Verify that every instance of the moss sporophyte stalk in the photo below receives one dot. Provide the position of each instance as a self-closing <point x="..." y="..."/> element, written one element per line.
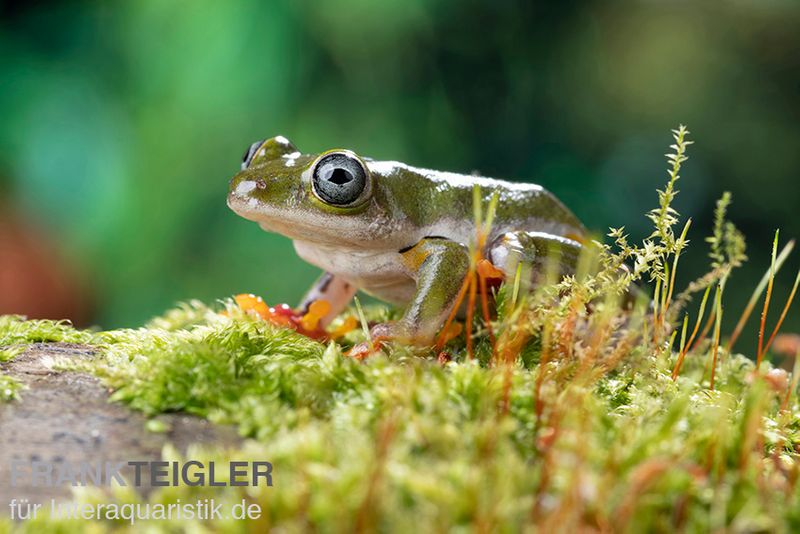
<point x="585" y="405"/>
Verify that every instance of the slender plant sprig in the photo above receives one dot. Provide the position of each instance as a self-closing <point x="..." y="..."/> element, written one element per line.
<point x="727" y="242"/>
<point x="793" y="385"/>
<point x="662" y="243"/>
<point x="484" y="231"/>
<point x="512" y="332"/>
<point x="783" y="313"/>
<point x="762" y="284"/>
<point x="727" y="252"/>
<point x="682" y="346"/>
<point x="686" y="346"/>
<point x="517" y="283"/>
<point x="665" y="217"/>
<point x="767" y="298"/>
<point x="651" y="258"/>
<point x="717" y="330"/>
<point x="716" y="240"/>
<point x="364" y="324"/>
<point x="680" y="244"/>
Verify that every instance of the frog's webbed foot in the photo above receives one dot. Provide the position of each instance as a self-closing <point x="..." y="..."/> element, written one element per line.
<point x="379" y="335"/>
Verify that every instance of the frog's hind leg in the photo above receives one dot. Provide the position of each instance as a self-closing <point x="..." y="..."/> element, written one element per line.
<point x="538" y="256"/>
<point x="331" y="288"/>
<point x="545" y="258"/>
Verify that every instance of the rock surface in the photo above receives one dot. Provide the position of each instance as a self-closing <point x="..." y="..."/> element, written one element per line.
<point x="65" y="417"/>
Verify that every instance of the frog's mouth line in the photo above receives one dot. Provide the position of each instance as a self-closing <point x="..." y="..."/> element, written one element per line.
<point x="269" y="219"/>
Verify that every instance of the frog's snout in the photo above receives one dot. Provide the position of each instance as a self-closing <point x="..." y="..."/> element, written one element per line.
<point x="244" y="189"/>
<point x="240" y="191"/>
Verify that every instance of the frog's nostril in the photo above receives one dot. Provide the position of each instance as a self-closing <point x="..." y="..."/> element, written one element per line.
<point x="261" y="184"/>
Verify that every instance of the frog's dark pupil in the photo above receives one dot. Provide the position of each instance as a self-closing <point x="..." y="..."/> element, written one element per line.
<point x="340" y="176"/>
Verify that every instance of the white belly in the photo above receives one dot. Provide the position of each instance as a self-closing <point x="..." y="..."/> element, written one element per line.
<point x="380" y="273"/>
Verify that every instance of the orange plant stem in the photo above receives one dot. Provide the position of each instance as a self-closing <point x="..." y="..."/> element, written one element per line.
<point x="473" y="290"/>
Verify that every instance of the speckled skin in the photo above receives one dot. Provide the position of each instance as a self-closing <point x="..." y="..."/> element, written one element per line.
<point x="406" y="240"/>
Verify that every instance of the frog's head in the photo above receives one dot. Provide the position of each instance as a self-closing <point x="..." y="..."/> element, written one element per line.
<point x="325" y="198"/>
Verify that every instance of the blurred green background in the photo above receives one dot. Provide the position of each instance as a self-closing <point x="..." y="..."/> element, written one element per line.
<point x="123" y="121"/>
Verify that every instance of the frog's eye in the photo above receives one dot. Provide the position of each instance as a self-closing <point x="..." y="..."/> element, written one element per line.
<point x="250" y="153"/>
<point x="339" y="179"/>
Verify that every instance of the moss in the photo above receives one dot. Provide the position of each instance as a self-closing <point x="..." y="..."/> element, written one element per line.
<point x="633" y="450"/>
<point x="16" y="332"/>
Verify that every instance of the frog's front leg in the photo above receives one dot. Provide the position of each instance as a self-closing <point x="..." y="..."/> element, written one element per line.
<point x="331" y="288"/>
<point x="438" y="266"/>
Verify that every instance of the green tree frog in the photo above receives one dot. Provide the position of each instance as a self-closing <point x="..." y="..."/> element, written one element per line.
<point x="397" y="232"/>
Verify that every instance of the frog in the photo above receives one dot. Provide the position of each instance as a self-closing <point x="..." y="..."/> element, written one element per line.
<point x="400" y="233"/>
